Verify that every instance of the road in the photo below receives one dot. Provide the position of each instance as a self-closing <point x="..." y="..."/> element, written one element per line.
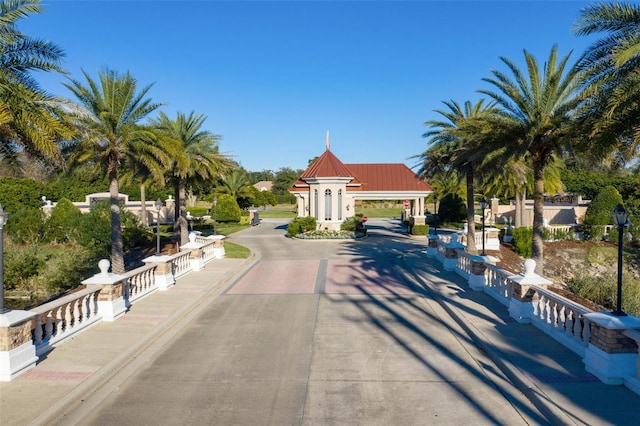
<point x="317" y="333"/>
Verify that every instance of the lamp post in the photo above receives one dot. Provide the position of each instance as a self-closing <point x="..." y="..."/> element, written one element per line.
<point x="484" y="205"/>
<point x="435" y="215"/>
<point x="158" y="205"/>
<point x="3" y="220"/>
<point x="621" y="217"/>
<point x="215" y="215"/>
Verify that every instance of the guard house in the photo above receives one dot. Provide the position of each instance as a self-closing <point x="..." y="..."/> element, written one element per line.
<point x="328" y="189"/>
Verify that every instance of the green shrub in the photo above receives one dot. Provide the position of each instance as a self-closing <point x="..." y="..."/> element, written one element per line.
<point x="20" y="193"/>
<point x="599" y="211"/>
<point x="353" y="223"/>
<point x="420" y="230"/>
<point x="227" y="209"/>
<point x="522" y="240"/>
<point x="25" y="225"/>
<point x="198" y="211"/>
<point x="20" y="264"/>
<point x="301" y="224"/>
<point x="62" y="225"/>
<point x="602" y="290"/>
<point x="452" y="209"/>
<point x="94" y="230"/>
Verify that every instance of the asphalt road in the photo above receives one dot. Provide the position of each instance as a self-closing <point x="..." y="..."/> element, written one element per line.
<point x="317" y="333"/>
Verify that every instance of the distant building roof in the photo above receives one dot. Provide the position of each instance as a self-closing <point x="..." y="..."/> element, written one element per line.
<point x="263" y="185"/>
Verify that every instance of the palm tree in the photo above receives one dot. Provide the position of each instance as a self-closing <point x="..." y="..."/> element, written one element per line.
<point x="235" y="184"/>
<point x="449" y="149"/>
<point x="108" y="117"/>
<point x="536" y="121"/>
<point x="611" y="113"/>
<point x="199" y="157"/>
<point x="31" y="121"/>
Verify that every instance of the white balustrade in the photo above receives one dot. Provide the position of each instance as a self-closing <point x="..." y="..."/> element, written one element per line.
<point x="463" y="267"/>
<point x="181" y="264"/>
<point x="140" y="283"/>
<point x="62" y="318"/>
<point x="562" y="319"/>
<point x="498" y="284"/>
<point x="208" y="249"/>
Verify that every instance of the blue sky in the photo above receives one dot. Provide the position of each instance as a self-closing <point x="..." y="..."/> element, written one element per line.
<point x="273" y="77"/>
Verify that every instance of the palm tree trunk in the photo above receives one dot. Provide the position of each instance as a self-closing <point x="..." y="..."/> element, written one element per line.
<point x="471" y="214"/>
<point x="181" y="219"/>
<point x="521" y="197"/>
<point x="117" y="245"/>
<point x="537" y="244"/>
<point x="143" y="206"/>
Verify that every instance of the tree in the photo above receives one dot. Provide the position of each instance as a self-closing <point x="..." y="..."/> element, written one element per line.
<point x="235" y="184"/>
<point x="450" y="147"/>
<point x="31" y="121"/>
<point x="611" y="113"/>
<point x="199" y="158"/>
<point x="108" y="118"/>
<point x="536" y="120"/>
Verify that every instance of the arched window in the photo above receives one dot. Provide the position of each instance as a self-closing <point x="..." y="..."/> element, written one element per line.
<point x="327" y="204"/>
<point x="339" y="204"/>
<point x="315" y="203"/>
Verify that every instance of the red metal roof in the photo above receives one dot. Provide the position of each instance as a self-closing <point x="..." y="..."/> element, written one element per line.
<point x="366" y="177"/>
<point x="388" y="177"/>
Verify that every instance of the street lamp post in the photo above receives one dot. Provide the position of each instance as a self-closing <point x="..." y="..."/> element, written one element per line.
<point x="3" y="220"/>
<point x="158" y="205"/>
<point x="484" y="205"/>
<point x="215" y="215"/>
<point x="621" y="217"/>
<point x="435" y="216"/>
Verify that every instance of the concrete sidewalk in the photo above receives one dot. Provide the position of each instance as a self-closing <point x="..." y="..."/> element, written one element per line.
<point x="550" y="375"/>
<point x="79" y="367"/>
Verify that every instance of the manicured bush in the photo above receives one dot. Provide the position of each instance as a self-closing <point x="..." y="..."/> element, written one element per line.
<point x="199" y="211"/>
<point x="522" y="240"/>
<point x="452" y="209"/>
<point x="420" y="229"/>
<point x="301" y="224"/>
<point x="601" y="207"/>
<point x="353" y="223"/>
<point x="227" y="209"/>
<point x="20" y="193"/>
<point x="20" y="264"/>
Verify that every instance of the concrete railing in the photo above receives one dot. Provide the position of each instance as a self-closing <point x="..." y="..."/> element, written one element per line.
<point x="56" y="321"/>
<point x="607" y="344"/>
<point x="105" y="298"/>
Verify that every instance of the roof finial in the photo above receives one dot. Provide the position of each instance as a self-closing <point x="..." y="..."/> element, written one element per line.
<point x="328" y="143"/>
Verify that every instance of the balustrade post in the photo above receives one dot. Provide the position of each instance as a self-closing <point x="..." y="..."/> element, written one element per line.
<point x="611" y="355"/>
<point x="111" y="301"/>
<point x="451" y="254"/>
<point x="196" y="260"/>
<point x="477" y="278"/>
<point x="218" y="246"/>
<point x="163" y="274"/>
<point x="17" y="350"/>
<point x="523" y="295"/>
<point x="432" y="245"/>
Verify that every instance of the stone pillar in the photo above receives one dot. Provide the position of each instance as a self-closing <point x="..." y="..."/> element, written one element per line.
<point x="111" y="303"/>
<point x="163" y="274"/>
<point x="477" y="279"/>
<point x="495" y="202"/>
<point x="492" y="238"/>
<point x="169" y="210"/>
<point x="218" y="246"/>
<point x="432" y="245"/>
<point x="451" y="255"/>
<point x="196" y="259"/>
<point x="611" y="356"/>
<point x="523" y="296"/>
<point x="17" y="351"/>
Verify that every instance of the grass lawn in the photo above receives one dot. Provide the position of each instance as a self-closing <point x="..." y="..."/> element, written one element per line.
<point x="381" y="213"/>
<point x="278" y="211"/>
<point x="236" y="251"/>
